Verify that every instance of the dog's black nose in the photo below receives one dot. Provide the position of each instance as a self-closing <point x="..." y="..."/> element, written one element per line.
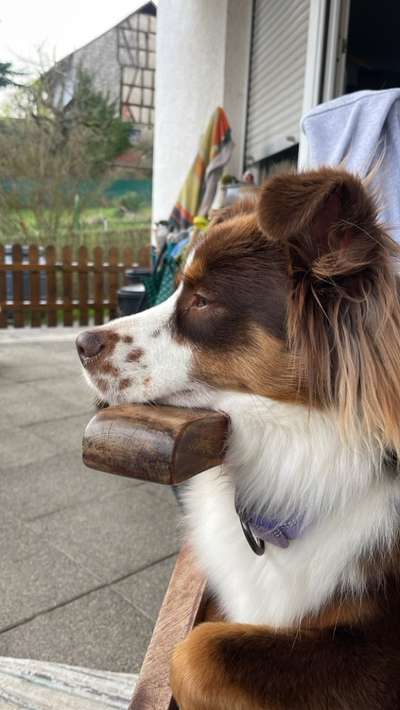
<point x="90" y="343"/>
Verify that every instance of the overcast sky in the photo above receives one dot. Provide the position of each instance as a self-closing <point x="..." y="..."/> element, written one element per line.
<point x="58" y="27"/>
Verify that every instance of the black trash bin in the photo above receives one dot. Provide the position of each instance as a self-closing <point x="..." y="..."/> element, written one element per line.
<point x="132" y="299"/>
<point x="135" y="275"/>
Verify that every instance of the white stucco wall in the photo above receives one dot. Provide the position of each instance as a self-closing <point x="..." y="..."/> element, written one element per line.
<point x="236" y="74"/>
<point x="203" y="49"/>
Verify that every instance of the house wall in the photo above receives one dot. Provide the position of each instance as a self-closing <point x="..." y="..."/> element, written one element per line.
<point x="236" y="73"/>
<point x="203" y="52"/>
<point x="99" y="59"/>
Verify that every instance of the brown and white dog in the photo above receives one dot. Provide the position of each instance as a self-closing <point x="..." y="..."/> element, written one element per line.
<point x="288" y="319"/>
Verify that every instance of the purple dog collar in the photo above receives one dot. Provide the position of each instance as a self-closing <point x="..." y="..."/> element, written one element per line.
<point x="259" y="530"/>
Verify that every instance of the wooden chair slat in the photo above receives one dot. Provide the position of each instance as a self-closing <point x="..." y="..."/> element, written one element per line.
<point x="113" y="274"/>
<point x="127" y="257"/>
<point x="161" y="444"/>
<point x="34" y="279"/>
<point x="18" y="286"/>
<point x="83" y="283"/>
<point x="3" y="289"/>
<point x="67" y="286"/>
<point x="98" y="286"/>
<point x="51" y="285"/>
<point x="144" y="258"/>
<point x="183" y="606"/>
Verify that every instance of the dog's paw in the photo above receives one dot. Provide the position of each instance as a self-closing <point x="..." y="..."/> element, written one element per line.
<point x="195" y="675"/>
<point x="200" y="677"/>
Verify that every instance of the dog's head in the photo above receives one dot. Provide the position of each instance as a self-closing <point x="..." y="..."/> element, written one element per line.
<point x="291" y="295"/>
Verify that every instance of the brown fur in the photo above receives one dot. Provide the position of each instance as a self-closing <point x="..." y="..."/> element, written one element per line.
<point x="343" y="318"/>
<point x="265" y="367"/>
<point x="303" y="306"/>
<point x="221" y="666"/>
<point x="101" y="383"/>
<point x="312" y="267"/>
<point x="346" y="657"/>
<point x="135" y="354"/>
<point x="108" y="368"/>
<point x="124" y="383"/>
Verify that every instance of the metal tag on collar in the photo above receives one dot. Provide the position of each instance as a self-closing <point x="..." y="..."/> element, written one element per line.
<point x="256" y="544"/>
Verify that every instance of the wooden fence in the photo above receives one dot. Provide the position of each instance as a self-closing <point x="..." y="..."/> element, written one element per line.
<point x="48" y="290"/>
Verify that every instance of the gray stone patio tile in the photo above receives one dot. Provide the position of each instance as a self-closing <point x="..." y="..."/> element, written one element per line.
<point x="59" y="334"/>
<point x="17" y="540"/>
<point x="100" y="630"/>
<point x="116" y="535"/>
<point x="146" y="589"/>
<point x="18" y="358"/>
<point x="35" y="371"/>
<point x="27" y="403"/>
<point x="72" y="390"/>
<point x="61" y="349"/>
<point x="61" y="353"/>
<point x="59" y="520"/>
<point x="66" y="433"/>
<point x="18" y="446"/>
<point x="32" y="584"/>
<point x="161" y="491"/>
<point x="52" y="484"/>
<point x="19" y="355"/>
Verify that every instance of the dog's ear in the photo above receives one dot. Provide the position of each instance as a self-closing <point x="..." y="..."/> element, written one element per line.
<point x="326" y="220"/>
<point x="343" y="316"/>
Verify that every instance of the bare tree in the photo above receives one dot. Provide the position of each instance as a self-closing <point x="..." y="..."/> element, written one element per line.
<point x="53" y="160"/>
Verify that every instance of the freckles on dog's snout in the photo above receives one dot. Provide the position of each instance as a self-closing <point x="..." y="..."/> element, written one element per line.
<point x="124" y="383"/>
<point x="102" y="384"/>
<point x="109" y="369"/>
<point x="134" y="355"/>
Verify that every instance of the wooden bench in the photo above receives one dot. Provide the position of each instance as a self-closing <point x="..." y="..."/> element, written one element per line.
<point x="166" y="445"/>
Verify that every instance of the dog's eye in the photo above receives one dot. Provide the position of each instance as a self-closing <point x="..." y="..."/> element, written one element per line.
<point x="199" y="301"/>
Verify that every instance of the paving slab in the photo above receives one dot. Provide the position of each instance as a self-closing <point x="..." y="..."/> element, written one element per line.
<point x="18" y="446"/>
<point x="44" y="334"/>
<point x="66" y="432"/>
<point x="27" y="403"/>
<point x="100" y="630"/>
<point x="37" y="349"/>
<point x="33" y="371"/>
<point x="39" y="582"/>
<point x="17" y="541"/>
<point x="116" y="535"/>
<point x="86" y="556"/>
<point x="146" y="589"/>
<point x="73" y="391"/>
<point x="16" y="359"/>
<point x="61" y="352"/>
<point x="55" y="483"/>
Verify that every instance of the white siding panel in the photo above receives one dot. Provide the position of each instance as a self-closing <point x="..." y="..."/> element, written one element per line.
<point x="277" y="74"/>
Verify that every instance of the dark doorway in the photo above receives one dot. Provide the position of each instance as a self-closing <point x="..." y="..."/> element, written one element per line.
<point x="373" y="51"/>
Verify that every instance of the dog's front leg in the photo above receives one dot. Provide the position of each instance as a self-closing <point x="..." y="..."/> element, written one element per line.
<point x="198" y="677"/>
<point x="222" y="666"/>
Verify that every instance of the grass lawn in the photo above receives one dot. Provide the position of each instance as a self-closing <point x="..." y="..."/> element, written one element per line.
<point x="96" y="226"/>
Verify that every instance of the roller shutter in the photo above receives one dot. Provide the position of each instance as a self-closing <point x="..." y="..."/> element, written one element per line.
<point x="277" y="76"/>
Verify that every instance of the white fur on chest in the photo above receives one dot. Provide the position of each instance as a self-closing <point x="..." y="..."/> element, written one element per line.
<point x="283" y="457"/>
